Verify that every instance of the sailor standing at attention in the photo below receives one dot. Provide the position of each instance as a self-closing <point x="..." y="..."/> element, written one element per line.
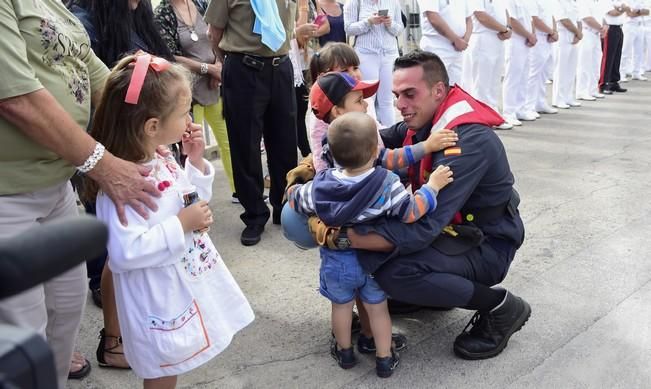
<point x="540" y="54"/>
<point x="485" y="58"/>
<point x="570" y="33"/>
<point x="587" y="77"/>
<point x="447" y="26"/>
<point x="515" y="89"/>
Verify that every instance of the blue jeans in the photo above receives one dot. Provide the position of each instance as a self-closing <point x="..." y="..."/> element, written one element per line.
<point x="342" y="278"/>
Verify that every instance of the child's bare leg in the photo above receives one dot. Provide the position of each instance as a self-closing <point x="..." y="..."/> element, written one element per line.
<point x="160" y="383"/>
<point x="381" y="327"/>
<point x="342" y="317"/>
<point x="363" y="319"/>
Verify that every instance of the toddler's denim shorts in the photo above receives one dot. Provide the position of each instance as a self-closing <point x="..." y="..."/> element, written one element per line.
<point x="342" y="278"/>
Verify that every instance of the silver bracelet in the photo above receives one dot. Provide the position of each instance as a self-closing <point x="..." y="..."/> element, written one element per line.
<point x="93" y="159"/>
<point x="203" y="69"/>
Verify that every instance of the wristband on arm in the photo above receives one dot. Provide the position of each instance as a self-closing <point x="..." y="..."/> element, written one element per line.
<point x="93" y="159"/>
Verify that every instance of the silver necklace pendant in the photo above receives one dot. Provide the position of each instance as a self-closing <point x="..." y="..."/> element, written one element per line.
<point x="194" y="36"/>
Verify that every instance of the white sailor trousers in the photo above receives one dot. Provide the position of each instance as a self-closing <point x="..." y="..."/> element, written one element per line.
<point x="516" y="75"/>
<point x="633" y="49"/>
<point x="565" y="70"/>
<point x="379" y="66"/>
<point x="540" y="54"/>
<point x="485" y="64"/>
<point x="589" y="64"/>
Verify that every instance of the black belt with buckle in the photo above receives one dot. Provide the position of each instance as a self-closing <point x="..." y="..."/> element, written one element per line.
<point x="258" y="63"/>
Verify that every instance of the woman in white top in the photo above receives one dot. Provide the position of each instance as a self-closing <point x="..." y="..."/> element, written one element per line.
<point x="376" y="25"/>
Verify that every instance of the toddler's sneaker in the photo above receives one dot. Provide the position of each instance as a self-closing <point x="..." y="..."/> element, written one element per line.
<point x="384" y="366"/>
<point x="367" y="345"/>
<point x="345" y="357"/>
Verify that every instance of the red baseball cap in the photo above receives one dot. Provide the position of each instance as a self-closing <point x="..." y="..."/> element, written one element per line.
<point x="331" y="88"/>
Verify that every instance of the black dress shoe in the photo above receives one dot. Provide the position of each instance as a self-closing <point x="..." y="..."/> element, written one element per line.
<point x="618" y="88"/>
<point x="491" y="331"/>
<point x="251" y="235"/>
<point x="606" y="91"/>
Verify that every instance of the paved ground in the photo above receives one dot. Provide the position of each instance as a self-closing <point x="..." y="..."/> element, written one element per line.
<point x="584" y="180"/>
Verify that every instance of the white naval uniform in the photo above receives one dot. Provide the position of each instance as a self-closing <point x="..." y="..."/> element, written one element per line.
<point x="484" y="62"/>
<point x="634" y="36"/>
<point x="589" y="61"/>
<point x="454" y="12"/>
<point x="565" y="71"/>
<point x="540" y="54"/>
<point x="517" y="59"/>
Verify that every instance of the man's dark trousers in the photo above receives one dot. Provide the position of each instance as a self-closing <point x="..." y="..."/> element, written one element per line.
<point x="612" y="47"/>
<point x="433" y="279"/>
<point x="259" y="101"/>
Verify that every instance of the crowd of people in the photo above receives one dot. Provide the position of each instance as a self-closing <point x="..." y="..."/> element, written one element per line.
<point x="506" y="52"/>
<point x="287" y="73"/>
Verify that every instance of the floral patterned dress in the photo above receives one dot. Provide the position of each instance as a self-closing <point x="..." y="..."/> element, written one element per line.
<point x="177" y="303"/>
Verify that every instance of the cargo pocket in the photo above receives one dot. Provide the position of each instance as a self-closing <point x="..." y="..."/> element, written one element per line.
<point x="180" y="338"/>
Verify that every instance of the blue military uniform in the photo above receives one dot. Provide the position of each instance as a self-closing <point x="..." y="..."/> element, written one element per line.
<point x="422" y="270"/>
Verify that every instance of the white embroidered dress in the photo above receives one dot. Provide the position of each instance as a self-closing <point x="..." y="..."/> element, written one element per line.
<point x="177" y="303"/>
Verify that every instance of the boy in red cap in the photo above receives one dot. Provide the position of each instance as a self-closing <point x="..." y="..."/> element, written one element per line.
<point x="337" y="93"/>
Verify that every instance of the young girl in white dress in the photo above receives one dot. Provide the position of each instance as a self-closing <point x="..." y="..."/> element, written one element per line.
<point x="178" y="304"/>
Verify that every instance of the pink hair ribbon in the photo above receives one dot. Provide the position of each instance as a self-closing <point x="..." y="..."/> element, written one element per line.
<point x="143" y="61"/>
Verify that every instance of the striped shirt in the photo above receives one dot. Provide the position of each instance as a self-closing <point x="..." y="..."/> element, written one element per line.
<point x="373" y="38"/>
<point x="391" y="199"/>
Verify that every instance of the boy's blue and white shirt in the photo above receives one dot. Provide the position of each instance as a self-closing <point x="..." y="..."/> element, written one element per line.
<point x="339" y="200"/>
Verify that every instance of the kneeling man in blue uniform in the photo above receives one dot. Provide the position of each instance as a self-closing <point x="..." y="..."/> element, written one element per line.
<point x="454" y="256"/>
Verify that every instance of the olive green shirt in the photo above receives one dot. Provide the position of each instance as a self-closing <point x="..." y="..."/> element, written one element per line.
<point x="236" y="18"/>
<point x="43" y="46"/>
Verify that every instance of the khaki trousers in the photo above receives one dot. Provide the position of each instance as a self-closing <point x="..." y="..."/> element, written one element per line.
<point x="52" y="309"/>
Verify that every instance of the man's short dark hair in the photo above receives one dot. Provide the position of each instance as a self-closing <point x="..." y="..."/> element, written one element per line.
<point x="352" y="139"/>
<point x="433" y="68"/>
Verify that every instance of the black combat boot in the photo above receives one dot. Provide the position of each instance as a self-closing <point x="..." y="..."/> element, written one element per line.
<point x="491" y="331"/>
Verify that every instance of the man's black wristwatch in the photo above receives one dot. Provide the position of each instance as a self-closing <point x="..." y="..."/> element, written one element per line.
<point x="342" y="242"/>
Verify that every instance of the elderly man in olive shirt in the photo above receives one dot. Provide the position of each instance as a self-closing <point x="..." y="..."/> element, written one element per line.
<point x="258" y="100"/>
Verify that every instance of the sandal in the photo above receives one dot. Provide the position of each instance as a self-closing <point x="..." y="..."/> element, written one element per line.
<point x="81" y="373"/>
<point x="101" y="350"/>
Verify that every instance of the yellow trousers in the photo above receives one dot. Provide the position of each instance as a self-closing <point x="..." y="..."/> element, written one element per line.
<point x="213" y="116"/>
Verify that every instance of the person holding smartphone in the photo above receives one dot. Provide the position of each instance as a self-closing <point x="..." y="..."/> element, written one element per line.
<point x="376" y="25"/>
